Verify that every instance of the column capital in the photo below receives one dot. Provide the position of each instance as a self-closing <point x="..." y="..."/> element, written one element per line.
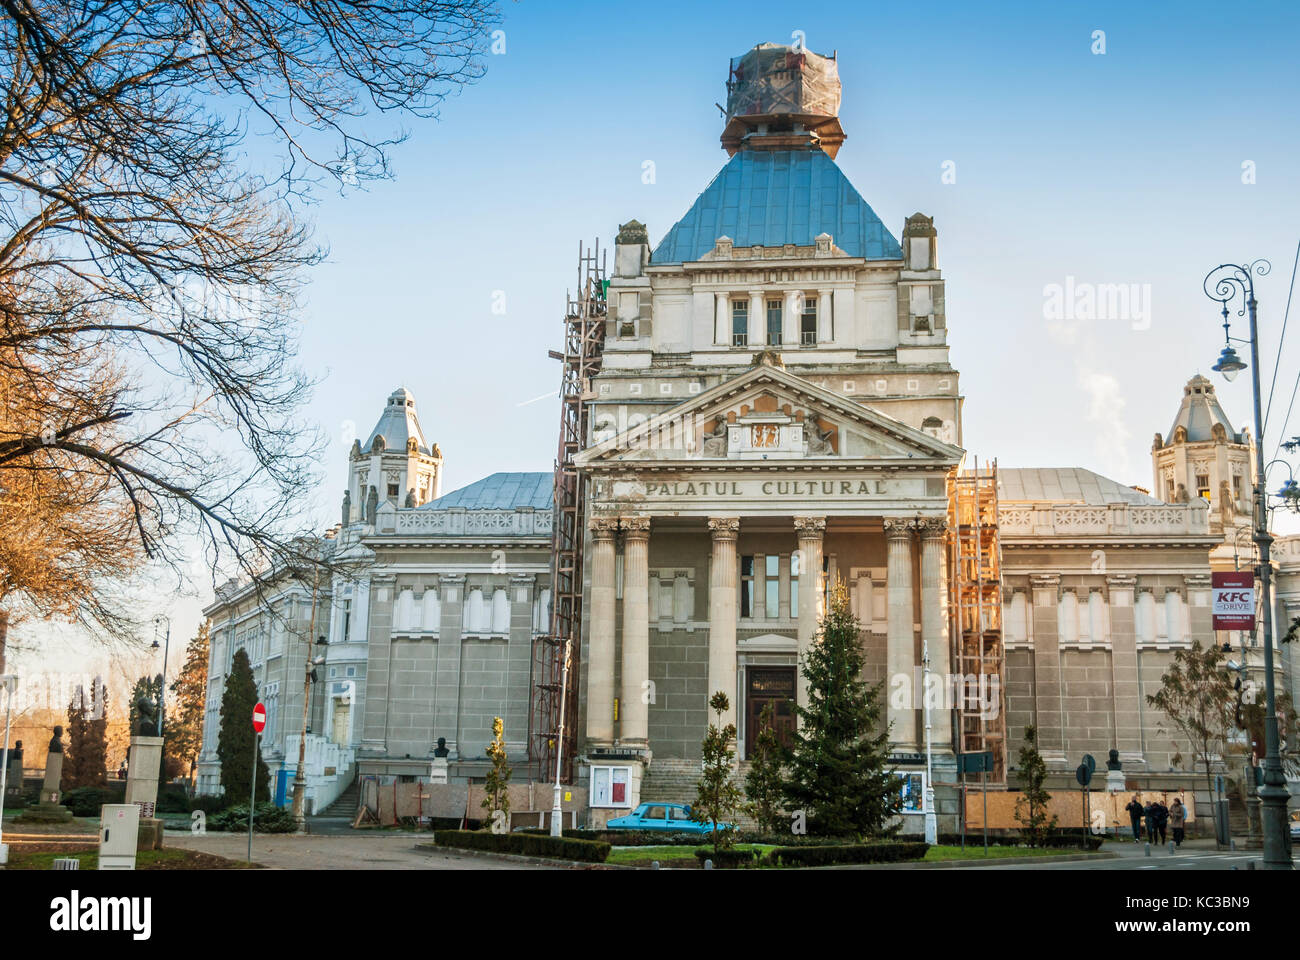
<point x="899" y="528"/>
<point x="603" y="528"/>
<point x="932" y="528"/>
<point x="635" y="528"/>
<point x="810" y="528"/>
<point x="724" y="528"/>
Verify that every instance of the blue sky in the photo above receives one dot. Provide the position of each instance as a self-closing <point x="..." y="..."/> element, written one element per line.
<point x="1124" y="167"/>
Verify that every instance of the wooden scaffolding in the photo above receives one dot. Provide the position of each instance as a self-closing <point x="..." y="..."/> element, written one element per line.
<point x="555" y="701"/>
<point x="975" y="586"/>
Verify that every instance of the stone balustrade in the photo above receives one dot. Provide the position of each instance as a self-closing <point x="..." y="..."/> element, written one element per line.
<point x="1115" y="519"/>
<point x="460" y="522"/>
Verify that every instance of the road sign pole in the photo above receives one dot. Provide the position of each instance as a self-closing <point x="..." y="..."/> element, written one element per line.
<point x="252" y="792"/>
<point x="985" y="777"/>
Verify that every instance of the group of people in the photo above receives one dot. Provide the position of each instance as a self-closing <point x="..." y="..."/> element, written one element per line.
<point x="1158" y="818"/>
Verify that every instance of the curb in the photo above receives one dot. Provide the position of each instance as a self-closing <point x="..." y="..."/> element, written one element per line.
<point x="430" y="849"/>
<point x="997" y="861"/>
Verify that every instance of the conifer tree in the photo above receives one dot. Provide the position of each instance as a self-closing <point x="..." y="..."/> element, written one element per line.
<point x="236" y="740"/>
<point x="839" y="772"/>
<point x="183" y="733"/>
<point x="95" y="750"/>
<point x="74" y="755"/>
<point x="716" y="793"/>
<point x="763" y="782"/>
<point x="497" y="783"/>
<point x="1031" y="806"/>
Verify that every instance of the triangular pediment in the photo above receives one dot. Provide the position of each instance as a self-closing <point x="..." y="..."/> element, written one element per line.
<point x="765" y="414"/>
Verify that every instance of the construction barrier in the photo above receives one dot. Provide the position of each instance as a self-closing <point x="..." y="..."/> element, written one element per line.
<point x="418" y="800"/>
<point x="1067" y="805"/>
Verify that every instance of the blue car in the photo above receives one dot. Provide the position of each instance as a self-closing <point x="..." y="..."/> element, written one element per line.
<point x="664" y="817"/>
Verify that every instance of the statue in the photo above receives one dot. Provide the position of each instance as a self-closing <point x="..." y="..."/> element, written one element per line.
<point x="372" y="505"/>
<point x="347" y="507"/>
<point x="146" y="724"/>
<point x="1112" y="760"/>
<point x="1181" y="495"/>
<point x="715" y="442"/>
<point x="442" y="750"/>
<point x="56" y="742"/>
<point x="410" y="498"/>
<point x="819" y="444"/>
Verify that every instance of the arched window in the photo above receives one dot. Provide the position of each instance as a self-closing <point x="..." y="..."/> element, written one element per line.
<point x="403" y="616"/>
<point x="1068" y="617"/>
<point x="475" y="619"/>
<point x="1146" y="616"/>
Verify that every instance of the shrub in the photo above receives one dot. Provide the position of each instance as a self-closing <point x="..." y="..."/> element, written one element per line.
<point x="86" y="801"/>
<point x="526" y="844"/>
<point x="209" y="804"/>
<point x="268" y="819"/>
<point x="627" y="838"/>
<point x="172" y="800"/>
<point x="825" y="855"/>
<point x="728" y="859"/>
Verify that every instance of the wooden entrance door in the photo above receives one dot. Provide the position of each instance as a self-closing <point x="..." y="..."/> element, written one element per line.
<point x="774" y="686"/>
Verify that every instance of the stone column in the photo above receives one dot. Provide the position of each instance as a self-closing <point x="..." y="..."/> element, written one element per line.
<point x="900" y="640"/>
<point x="790" y="322"/>
<point x="757" y="321"/>
<point x="721" y="320"/>
<point x="723" y="601"/>
<point x="1047" y="669"/>
<point x="810" y="531"/>
<point x="934" y="626"/>
<point x="600" y="646"/>
<point x="824" y="316"/>
<point x="635" y="710"/>
<point x="1125" y="683"/>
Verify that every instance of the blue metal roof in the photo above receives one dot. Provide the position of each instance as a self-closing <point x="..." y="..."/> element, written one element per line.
<point x="499" y="491"/>
<point x="774" y="198"/>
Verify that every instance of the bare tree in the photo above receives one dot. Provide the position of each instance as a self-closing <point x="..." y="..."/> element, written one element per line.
<point x="152" y="252"/>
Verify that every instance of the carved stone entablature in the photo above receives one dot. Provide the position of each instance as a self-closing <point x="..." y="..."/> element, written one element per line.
<point x="724" y="528"/>
<point x="1197" y="581"/>
<point x="1045" y="581"/>
<point x="1120" y="581"/>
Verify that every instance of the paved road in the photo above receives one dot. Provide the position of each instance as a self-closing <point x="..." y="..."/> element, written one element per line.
<point x="1194" y="855"/>
<point x="362" y="851"/>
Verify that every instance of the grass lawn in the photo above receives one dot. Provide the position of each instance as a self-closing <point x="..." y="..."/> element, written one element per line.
<point x="33" y="858"/>
<point x="77" y="826"/>
<point x="975" y="851"/>
<point x="675" y="856"/>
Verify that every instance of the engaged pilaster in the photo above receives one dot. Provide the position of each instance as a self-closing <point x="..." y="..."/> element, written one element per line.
<point x="934" y="626"/>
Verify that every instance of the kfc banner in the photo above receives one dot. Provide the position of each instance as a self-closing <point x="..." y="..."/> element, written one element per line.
<point x="1234" y="600"/>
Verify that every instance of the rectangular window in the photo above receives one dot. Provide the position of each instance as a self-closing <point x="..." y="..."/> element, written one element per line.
<point x="392" y="490"/>
<point x="747" y="586"/>
<point x="347" y="619"/>
<point x="773" y="323"/>
<point x="1203" y="485"/>
<point x="771" y="586"/>
<point x="740" y="323"/>
<point x="794" y="585"/>
<point x="808" y="322"/>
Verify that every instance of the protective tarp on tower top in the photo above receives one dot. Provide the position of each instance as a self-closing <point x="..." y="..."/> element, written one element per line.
<point x="777" y="95"/>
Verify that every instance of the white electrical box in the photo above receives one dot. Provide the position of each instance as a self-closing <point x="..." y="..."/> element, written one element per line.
<point x="119" y="831"/>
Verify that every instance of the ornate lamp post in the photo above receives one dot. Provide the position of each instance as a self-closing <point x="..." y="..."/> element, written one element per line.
<point x="1222" y="285"/>
<point x="162" y="686"/>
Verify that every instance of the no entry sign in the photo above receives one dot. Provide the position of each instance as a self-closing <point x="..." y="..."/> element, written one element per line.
<point x="259" y="717"/>
<point x="1233" y="605"/>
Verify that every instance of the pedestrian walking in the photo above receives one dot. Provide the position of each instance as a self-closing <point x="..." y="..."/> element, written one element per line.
<point x="1135" y="812"/>
<point x="1178" y="820"/>
<point x="1161" y="820"/>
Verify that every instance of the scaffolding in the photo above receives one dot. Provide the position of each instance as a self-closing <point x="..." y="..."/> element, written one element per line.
<point x="975" y="578"/>
<point x="584" y="342"/>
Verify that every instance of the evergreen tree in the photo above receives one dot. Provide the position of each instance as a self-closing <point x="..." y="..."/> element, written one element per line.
<point x="236" y="740"/>
<point x="75" y="773"/>
<point x="150" y="687"/>
<point x="716" y="794"/>
<point x="183" y="732"/>
<point x="1031" y="806"/>
<point x="95" y="749"/>
<point x="839" y="772"/>
<point x="763" y="782"/>
<point x="497" y="783"/>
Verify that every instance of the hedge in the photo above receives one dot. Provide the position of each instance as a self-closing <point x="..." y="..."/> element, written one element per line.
<point x="268" y="819"/>
<point x="728" y="859"/>
<point x="626" y="838"/>
<point x="526" y="844"/>
<point x="86" y="801"/>
<point x="821" y="856"/>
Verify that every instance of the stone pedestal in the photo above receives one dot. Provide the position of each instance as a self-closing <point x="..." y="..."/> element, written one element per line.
<point x="142" y="772"/>
<point x="149" y="835"/>
<point x="1114" y="781"/>
<point x="438" y="770"/>
<point x="48" y="810"/>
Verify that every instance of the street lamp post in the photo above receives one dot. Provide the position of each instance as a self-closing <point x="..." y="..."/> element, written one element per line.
<point x="557" y="812"/>
<point x="162" y="686"/>
<point x="300" y="775"/>
<point x="10" y="684"/>
<point x="1222" y="285"/>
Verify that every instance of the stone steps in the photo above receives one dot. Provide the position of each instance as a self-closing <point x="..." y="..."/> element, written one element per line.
<point x="347" y="802"/>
